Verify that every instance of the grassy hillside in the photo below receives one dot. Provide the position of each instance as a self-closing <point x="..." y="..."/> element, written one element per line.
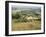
<point x="26" y="19"/>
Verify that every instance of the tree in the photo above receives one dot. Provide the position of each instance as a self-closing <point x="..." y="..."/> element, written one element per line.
<point x="17" y="15"/>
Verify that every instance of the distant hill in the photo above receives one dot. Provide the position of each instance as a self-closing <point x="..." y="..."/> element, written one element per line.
<point x="28" y="11"/>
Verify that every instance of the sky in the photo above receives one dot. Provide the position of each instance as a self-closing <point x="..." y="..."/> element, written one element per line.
<point x="25" y="6"/>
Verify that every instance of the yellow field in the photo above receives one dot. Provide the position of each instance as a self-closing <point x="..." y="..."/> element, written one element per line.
<point x="20" y="26"/>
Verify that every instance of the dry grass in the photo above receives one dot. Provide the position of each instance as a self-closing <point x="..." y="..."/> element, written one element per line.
<point x="35" y="25"/>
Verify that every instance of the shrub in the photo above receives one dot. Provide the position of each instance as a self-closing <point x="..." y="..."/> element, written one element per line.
<point x="16" y="16"/>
